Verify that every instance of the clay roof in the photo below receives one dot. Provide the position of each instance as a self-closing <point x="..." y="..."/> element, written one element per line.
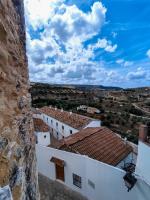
<point x="72" y="119"/>
<point x="40" y="125"/>
<point x="98" y="143"/>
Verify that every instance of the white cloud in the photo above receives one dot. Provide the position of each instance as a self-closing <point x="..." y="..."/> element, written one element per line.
<point x="70" y="23"/>
<point x="114" y="34"/>
<point x="104" y="44"/>
<point x="59" y="55"/>
<point x="140" y="73"/>
<point x="128" y="63"/>
<point x="38" y="12"/>
<point x="120" y="61"/>
<point x="110" y="48"/>
<point x="148" y="53"/>
<point x="124" y="63"/>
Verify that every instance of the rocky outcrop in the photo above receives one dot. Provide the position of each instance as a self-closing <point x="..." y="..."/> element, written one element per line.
<point x="18" y="173"/>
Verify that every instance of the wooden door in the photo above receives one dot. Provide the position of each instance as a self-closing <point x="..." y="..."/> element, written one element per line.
<point x="60" y="173"/>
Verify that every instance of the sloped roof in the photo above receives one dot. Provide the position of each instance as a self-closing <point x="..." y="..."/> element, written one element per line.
<point x="72" y="119"/>
<point x="40" y="125"/>
<point x="98" y="143"/>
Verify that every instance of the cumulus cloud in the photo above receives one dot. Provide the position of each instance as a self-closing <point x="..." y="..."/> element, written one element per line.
<point x="58" y="53"/>
<point x="104" y="44"/>
<point x="38" y="12"/>
<point x="69" y="23"/>
<point x="140" y="73"/>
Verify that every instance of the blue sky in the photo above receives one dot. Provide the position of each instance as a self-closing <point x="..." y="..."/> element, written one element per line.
<point x="89" y="42"/>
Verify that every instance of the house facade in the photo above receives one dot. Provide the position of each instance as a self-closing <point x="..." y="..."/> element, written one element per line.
<point x="62" y="123"/>
<point x="143" y="161"/>
<point x="42" y="132"/>
<point x="91" y="162"/>
<point x="94" y="179"/>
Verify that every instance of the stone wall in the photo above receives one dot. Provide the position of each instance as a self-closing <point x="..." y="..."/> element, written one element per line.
<point x="18" y="170"/>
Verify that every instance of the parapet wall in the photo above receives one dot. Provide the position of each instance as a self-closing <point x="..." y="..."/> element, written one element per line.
<point x="18" y="171"/>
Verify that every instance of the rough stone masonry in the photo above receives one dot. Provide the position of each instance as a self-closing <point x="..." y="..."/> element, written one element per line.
<point x="18" y="173"/>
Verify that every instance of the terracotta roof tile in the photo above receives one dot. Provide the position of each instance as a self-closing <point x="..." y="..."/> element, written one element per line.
<point x="40" y="125"/>
<point x="98" y="143"/>
<point x="72" y="119"/>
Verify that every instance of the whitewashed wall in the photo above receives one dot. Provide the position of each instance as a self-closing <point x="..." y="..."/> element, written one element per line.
<point x="58" y="132"/>
<point x="43" y="138"/>
<point x="108" y="180"/>
<point x="143" y="161"/>
<point x="94" y="123"/>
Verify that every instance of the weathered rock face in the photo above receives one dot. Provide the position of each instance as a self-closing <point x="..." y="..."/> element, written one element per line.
<point x="17" y="147"/>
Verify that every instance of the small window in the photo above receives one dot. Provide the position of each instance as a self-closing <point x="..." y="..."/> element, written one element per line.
<point x="62" y="127"/>
<point x="44" y="136"/>
<point x="63" y="137"/>
<point x="51" y="121"/>
<point x="47" y="119"/>
<point x="52" y="130"/>
<point x="57" y="133"/>
<point x="70" y="131"/>
<point x="56" y="123"/>
<point x="77" y="181"/>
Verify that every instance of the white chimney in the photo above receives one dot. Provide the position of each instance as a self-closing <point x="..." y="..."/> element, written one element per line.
<point x="70" y="112"/>
<point x="62" y="110"/>
<point x="55" y="108"/>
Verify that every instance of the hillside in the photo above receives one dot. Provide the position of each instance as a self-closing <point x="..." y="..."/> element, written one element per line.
<point x="122" y="110"/>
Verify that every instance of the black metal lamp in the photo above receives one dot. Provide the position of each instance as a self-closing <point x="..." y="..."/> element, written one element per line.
<point x="129" y="180"/>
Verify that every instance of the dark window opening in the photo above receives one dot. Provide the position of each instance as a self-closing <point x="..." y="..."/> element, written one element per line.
<point x="77" y="181"/>
<point x="70" y="131"/>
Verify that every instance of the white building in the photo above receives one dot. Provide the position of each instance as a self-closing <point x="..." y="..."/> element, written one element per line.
<point x="143" y="161"/>
<point x="89" y="161"/>
<point x="88" y="109"/>
<point x="42" y="132"/>
<point x="101" y="144"/>
<point x="63" y="123"/>
<point x="92" y="178"/>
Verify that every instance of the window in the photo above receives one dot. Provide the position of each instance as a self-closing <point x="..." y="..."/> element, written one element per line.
<point x="47" y="119"/>
<point x="51" y="121"/>
<point x="62" y="127"/>
<point x="70" y="131"/>
<point x="77" y="181"/>
<point x="56" y="123"/>
<point x="63" y="137"/>
<point x="44" y="136"/>
<point x="57" y="133"/>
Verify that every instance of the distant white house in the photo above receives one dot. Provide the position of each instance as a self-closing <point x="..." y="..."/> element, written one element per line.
<point x="88" y="109"/>
<point x="42" y="132"/>
<point x="82" y="107"/>
<point x="62" y="123"/>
